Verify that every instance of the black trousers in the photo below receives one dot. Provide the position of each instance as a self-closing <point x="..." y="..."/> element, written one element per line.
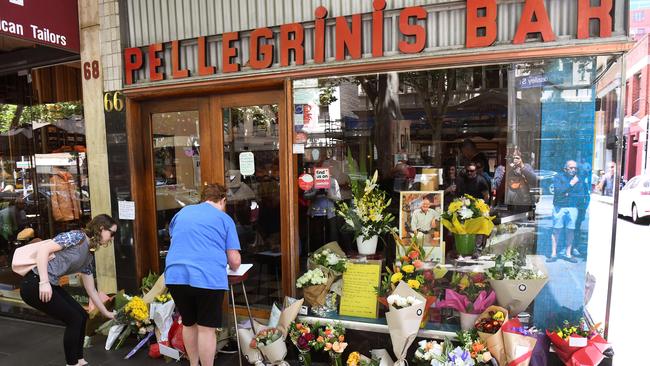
<point x="61" y="307"/>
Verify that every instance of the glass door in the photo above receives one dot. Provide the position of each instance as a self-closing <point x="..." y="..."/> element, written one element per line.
<point x="252" y="165"/>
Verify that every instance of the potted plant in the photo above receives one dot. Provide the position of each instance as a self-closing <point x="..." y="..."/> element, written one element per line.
<point x="467" y="217"/>
<point x="367" y="216"/>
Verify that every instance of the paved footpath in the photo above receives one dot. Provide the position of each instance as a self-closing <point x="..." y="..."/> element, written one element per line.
<point x="24" y="343"/>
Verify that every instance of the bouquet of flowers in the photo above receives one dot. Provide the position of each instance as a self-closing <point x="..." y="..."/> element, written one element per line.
<point x="271" y="343"/>
<point x="131" y="318"/>
<point x="357" y="359"/>
<point x="410" y="270"/>
<point x="404" y="322"/>
<point x="329" y="258"/>
<point x="489" y="325"/>
<point x="468" y="215"/>
<point x="315" y="285"/>
<point x="367" y="216"/>
<point x="477" y="348"/>
<point x="441" y="354"/>
<point x="471" y="296"/>
<point x="519" y="343"/>
<point x="301" y="336"/>
<point x="161" y="312"/>
<point x="579" y="344"/>
<point x="400" y="302"/>
<point x="517" y="281"/>
<point x="331" y="338"/>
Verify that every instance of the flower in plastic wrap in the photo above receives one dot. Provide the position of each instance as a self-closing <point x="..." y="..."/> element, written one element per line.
<point x="311" y="278"/>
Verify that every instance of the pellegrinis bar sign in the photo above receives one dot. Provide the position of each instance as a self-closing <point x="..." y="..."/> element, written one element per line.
<point x="481" y="28"/>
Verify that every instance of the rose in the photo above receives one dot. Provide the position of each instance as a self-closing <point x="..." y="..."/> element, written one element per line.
<point x="414" y="284"/>
<point x="409" y="268"/>
<point x="396" y="277"/>
<point x="418" y="263"/>
<point x="428" y="275"/>
<point x="413" y="254"/>
<point x="303" y="343"/>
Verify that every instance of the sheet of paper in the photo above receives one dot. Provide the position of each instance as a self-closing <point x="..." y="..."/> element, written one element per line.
<point x="126" y="210"/>
<point x="243" y="268"/>
<point x="169" y="352"/>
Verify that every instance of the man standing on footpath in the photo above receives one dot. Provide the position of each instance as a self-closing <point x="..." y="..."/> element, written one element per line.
<point x="568" y="193"/>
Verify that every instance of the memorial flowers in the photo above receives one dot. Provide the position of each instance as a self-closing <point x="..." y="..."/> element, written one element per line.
<point x="367" y="216"/>
<point x="468" y="215"/>
<point x="330" y="260"/>
<point x="400" y="302"/>
<point x="315" y="285"/>
<point x="301" y="336"/>
<point x="271" y="343"/>
<point x="579" y="344"/>
<point x="331" y="338"/>
<point x="132" y="317"/>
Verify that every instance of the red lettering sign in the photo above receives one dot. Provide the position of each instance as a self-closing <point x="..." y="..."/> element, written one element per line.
<point x="228" y="52"/>
<point x="378" y="28"/>
<point x="408" y="29"/>
<point x="155" y="61"/>
<point x="586" y="12"/>
<point x="265" y="50"/>
<point x="132" y="62"/>
<point x="348" y="38"/>
<point x="319" y="35"/>
<point x="542" y="25"/>
<point x="296" y="43"/>
<point x="204" y="69"/>
<point x="487" y="23"/>
<point x="177" y="73"/>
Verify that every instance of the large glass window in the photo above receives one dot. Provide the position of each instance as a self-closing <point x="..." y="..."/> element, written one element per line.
<point x="531" y="139"/>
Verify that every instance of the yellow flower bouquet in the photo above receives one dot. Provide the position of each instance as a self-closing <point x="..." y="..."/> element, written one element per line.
<point x="467" y="217"/>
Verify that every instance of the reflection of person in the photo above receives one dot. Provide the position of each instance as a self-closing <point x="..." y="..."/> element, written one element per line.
<point x="64" y="199"/>
<point x="471" y="154"/>
<point x="606" y="183"/>
<point x="568" y="192"/>
<point x="204" y="240"/>
<point x="12" y="220"/>
<point x="473" y="184"/>
<point x="519" y="178"/>
<point x="74" y="254"/>
<point x="449" y="184"/>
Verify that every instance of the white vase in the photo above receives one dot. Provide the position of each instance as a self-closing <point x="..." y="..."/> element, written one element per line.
<point x="467" y="320"/>
<point x="367" y="247"/>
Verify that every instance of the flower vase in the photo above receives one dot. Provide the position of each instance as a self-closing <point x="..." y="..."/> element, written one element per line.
<point x="430" y="300"/>
<point x="465" y="243"/>
<point x="304" y="357"/>
<point x="336" y="359"/>
<point x="467" y="320"/>
<point x="367" y="247"/>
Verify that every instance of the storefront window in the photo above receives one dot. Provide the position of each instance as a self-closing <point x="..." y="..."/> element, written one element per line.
<point x="528" y="138"/>
<point x="43" y="182"/>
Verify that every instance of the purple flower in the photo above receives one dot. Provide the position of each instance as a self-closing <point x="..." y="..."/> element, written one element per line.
<point x="460" y="357"/>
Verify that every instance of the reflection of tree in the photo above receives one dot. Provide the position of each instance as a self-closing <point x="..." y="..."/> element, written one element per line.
<point x="383" y="94"/>
<point x="434" y="90"/>
<point x="263" y="117"/>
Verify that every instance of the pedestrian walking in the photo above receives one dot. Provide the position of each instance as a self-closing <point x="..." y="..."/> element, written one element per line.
<point x="568" y="195"/>
<point x="74" y="253"/>
<point x="203" y="241"/>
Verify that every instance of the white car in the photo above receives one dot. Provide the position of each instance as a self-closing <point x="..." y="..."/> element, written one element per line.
<point x="634" y="199"/>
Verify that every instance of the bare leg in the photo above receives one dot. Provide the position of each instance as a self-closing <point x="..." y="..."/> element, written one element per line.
<point x="190" y="338"/>
<point x="555" y="236"/>
<point x="569" y="241"/>
<point x="207" y="345"/>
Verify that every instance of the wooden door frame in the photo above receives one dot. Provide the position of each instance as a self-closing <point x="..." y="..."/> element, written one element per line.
<point x="139" y="134"/>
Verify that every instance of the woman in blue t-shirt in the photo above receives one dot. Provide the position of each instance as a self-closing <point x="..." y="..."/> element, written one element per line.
<point x="204" y="241"/>
<point x="73" y="252"/>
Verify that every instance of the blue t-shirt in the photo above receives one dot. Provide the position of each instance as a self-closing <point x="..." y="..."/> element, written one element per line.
<point x="200" y="234"/>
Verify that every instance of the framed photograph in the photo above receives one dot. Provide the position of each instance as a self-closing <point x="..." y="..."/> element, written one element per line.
<point x="419" y="216"/>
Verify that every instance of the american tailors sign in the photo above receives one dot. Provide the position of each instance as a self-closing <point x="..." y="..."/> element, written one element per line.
<point x="481" y="28"/>
<point x="50" y="22"/>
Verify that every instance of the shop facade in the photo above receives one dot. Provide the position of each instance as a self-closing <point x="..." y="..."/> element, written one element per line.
<point x="258" y="95"/>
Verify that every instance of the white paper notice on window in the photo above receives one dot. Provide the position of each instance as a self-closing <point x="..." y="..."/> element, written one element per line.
<point x="247" y="163"/>
<point x="126" y="210"/>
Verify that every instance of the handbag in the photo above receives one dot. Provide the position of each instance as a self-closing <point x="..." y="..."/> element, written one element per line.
<point x="25" y="257"/>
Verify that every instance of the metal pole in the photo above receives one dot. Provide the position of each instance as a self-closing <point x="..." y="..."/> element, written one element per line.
<point x="234" y="314"/>
<point x="617" y="183"/>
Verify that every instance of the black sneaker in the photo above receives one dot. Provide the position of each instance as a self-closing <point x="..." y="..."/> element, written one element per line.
<point x="551" y="259"/>
<point x="229" y="348"/>
<point x="570" y="259"/>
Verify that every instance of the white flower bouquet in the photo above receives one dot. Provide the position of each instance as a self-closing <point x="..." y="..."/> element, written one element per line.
<point x="401" y="302"/>
<point x="315" y="285"/>
<point x="404" y="319"/>
<point x="329" y="258"/>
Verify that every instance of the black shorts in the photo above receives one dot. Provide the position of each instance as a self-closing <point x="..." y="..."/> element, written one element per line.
<point x="198" y="305"/>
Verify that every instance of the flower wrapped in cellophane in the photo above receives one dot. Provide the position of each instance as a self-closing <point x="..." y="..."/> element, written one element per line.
<point x="579" y="344"/>
<point x="132" y="317"/>
<point x="468" y="215"/>
<point x="315" y="285"/>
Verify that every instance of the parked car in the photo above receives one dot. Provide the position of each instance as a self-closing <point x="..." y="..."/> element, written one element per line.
<point x="634" y="199"/>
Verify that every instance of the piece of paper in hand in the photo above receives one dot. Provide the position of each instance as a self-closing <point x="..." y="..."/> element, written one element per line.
<point x="163" y="318"/>
<point x="243" y="268"/>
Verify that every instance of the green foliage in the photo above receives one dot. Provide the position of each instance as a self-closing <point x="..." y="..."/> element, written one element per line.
<point x="148" y="282"/>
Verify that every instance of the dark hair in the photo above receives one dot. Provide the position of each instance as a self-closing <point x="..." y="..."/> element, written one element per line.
<point x="94" y="229"/>
<point x="213" y="192"/>
<point x="468" y="144"/>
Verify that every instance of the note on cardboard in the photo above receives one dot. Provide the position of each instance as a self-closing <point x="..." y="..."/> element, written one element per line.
<point x="359" y="295"/>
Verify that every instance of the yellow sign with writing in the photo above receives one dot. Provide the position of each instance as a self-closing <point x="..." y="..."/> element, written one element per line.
<point x="359" y="290"/>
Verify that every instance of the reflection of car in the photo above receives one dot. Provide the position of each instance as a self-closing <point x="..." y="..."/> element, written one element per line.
<point x="545" y="180"/>
<point x="634" y="199"/>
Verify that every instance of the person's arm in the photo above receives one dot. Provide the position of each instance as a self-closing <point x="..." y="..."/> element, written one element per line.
<point x="42" y="257"/>
<point x="530" y="175"/>
<point x="561" y="186"/>
<point x="89" y="284"/>
<point x="234" y="259"/>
